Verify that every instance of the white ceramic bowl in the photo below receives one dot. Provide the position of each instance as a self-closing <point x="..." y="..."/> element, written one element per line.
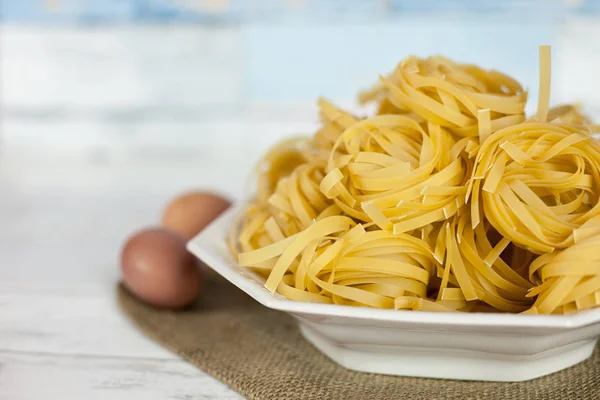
<point x="489" y="347"/>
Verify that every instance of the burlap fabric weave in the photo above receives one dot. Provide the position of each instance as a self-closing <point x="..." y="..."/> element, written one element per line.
<point x="260" y="353"/>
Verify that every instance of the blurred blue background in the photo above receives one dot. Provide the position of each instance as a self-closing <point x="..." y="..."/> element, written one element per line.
<point x="243" y="11"/>
<point x="329" y="46"/>
<point x="157" y="83"/>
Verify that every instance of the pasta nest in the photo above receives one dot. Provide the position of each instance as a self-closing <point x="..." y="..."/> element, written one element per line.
<point x="390" y="170"/>
<point x="568" y="279"/>
<point x="449" y="94"/>
<point x="537" y="184"/>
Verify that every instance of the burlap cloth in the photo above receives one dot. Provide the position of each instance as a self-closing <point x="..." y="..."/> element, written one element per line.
<point x="260" y="353"/>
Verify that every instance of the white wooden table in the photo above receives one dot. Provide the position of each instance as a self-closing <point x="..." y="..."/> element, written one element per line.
<point x="61" y="333"/>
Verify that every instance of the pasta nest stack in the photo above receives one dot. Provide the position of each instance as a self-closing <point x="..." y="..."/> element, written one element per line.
<point x="538" y="185"/>
<point x="446" y="199"/>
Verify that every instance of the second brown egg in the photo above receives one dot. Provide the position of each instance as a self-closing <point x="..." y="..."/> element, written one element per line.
<point x="191" y="212"/>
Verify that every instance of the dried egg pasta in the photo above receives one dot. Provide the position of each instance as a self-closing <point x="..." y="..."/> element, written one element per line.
<point x="446" y="199"/>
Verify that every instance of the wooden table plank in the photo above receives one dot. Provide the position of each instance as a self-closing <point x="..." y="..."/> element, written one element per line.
<point x="25" y="376"/>
<point x="74" y="319"/>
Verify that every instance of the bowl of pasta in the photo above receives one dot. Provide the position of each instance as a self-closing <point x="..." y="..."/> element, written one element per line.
<point x="446" y="235"/>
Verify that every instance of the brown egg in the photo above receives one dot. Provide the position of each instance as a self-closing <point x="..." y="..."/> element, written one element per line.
<point x="157" y="268"/>
<point x="191" y="212"/>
